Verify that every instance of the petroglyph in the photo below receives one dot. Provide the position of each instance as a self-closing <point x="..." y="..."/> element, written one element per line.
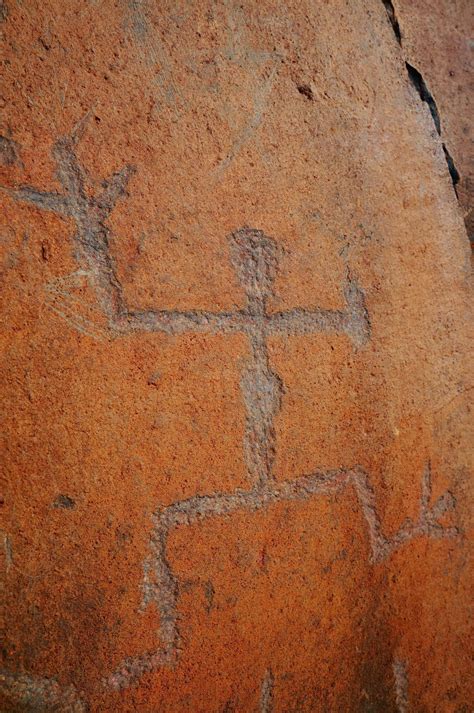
<point x="266" y="694"/>
<point x="426" y="523"/>
<point x="161" y="586"/>
<point x="255" y="259"/>
<point x="400" y="674"/>
<point x="239" y="51"/>
<point x="39" y="694"/>
<point x="260" y="100"/>
<point x="153" y="52"/>
<point x="91" y="241"/>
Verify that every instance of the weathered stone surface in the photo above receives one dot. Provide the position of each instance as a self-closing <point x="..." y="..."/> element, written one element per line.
<point x="437" y="39"/>
<point x="237" y="427"/>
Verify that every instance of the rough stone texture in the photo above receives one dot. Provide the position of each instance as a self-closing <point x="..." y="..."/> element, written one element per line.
<point x="237" y="427"/>
<point x="437" y="39"/>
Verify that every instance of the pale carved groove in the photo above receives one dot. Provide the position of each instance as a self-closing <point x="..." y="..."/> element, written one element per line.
<point x="33" y="693"/>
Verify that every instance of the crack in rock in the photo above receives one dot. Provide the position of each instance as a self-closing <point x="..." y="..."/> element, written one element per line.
<point x="418" y="83"/>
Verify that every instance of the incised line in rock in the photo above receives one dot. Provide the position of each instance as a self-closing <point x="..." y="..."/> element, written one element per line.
<point x="40" y="694"/>
<point x="400" y="674"/>
<point x="239" y="50"/>
<point x="266" y="693"/>
<point x="254" y="256"/>
<point x="162" y="586"/>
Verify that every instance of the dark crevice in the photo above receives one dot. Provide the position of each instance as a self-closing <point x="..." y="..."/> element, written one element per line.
<point x="393" y="19"/>
<point x="453" y="171"/>
<point x="417" y="81"/>
<point x="425" y="95"/>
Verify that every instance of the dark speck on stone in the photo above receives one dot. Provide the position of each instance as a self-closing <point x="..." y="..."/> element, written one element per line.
<point x="154" y="378"/>
<point x="306" y="91"/>
<point x="65" y="502"/>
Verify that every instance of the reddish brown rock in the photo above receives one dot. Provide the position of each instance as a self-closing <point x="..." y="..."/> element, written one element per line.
<point x="436" y="39"/>
<point x="237" y="427"/>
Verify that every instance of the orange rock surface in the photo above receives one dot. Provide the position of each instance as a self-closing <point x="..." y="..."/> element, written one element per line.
<point x="236" y="392"/>
<point x="437" y="38"/>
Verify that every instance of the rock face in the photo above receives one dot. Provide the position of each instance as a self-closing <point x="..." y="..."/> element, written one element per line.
<point x="436" y="39"/>
<point x="236" y="292"/>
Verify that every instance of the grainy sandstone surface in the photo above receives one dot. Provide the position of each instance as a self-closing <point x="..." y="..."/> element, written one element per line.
<point x="437" y="39"/>
<point x="236" y="396"/>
